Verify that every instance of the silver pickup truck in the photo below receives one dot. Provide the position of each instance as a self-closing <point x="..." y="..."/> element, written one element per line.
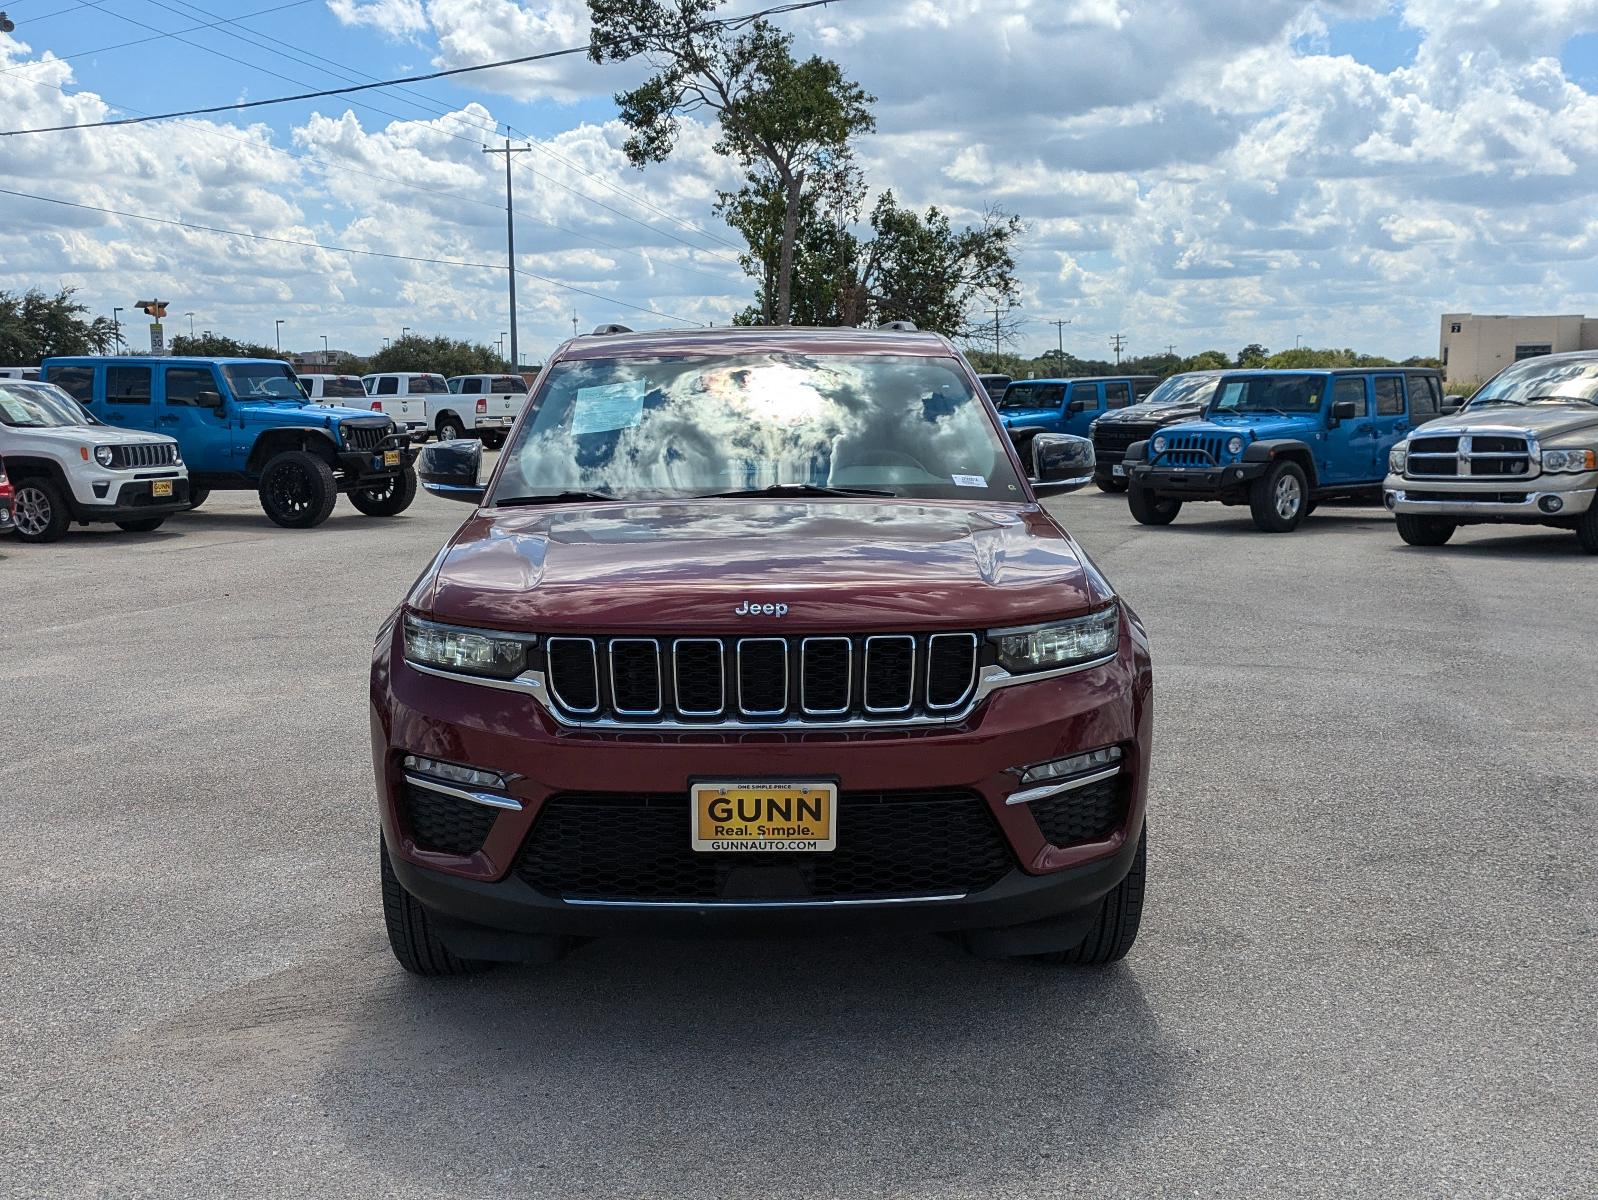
<point x="1523" y="451"/>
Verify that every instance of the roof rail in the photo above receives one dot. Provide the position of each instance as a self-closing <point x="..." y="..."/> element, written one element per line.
<point x="607" y="330"/>
<point x="899" y="326"/>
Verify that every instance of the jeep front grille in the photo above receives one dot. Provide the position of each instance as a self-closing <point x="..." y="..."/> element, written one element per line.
<point x="138" y="455"/>
<point x="1192" y="450"/>
<point x="761" y="680"/>
<point x="365" y="435"/>
<point x="1469" y="456"/>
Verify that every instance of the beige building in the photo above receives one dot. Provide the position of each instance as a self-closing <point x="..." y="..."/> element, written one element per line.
<point x="1475" y="348"/>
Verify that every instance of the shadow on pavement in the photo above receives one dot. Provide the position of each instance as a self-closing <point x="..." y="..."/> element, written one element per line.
<point x="746" y="1067"/>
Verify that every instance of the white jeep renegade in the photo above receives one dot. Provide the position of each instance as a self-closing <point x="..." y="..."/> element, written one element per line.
<point x="66" y="466"/>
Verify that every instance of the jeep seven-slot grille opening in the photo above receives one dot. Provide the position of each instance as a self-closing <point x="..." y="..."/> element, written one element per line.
<point x="133" y="455"/>
<point x="764" y="679"/>
<point x="445" y="823"/>
<point x="614" y="846"/>
<point x="1193" y="450"/>
<point x="1088" y="814"/>
<point x="364" y="436"/>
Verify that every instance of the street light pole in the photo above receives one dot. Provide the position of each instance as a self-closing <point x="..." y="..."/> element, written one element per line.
<point x="190" y="316"/>
<point x="116" y="328"/>
<point x="324" y="346"/>
<point x="510" y="230"/>
<point x="279" y="332"/>
<point x="405" y="331"/>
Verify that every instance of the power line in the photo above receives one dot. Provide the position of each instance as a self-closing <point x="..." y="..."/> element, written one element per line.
<point x="263" y="237"/>
<point x="156" y="36"/>
<point x="545" y="56"/>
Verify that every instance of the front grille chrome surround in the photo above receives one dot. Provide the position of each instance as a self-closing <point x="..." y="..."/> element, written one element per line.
<point x="556" y="645"/>
<point x="880" y="647"/>
<point x="748" y="650"/>
<point x="1475" y="452"/>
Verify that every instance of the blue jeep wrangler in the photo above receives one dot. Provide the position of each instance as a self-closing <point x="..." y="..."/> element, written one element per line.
<point x="247" y="423"/>
<point x="1033" y="406"/>
<point x="1281" y="442"/>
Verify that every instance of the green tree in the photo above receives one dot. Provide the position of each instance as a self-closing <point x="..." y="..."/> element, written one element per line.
<point x="787" y="123"/>
<point x="1207" y="360"/>
<point x="35" y="326"/>
<point x="215" y="345"/>
<point x="447" y="356"/>
<point x="1252" y="355"/>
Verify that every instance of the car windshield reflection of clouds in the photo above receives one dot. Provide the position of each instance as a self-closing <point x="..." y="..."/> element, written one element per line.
<point x="1538" y="378"/>
<point x="680" y="426"/>
<point x="1268" y="393"/>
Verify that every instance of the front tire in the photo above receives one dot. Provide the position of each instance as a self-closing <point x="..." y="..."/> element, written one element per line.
<point x="39" y="511"/>
<point x="1278" y="498"/>
<point x="410" y="932"/>
<point x="1113" y="486"/>
<point x="390" y="499"/>
<point x="148" y="525"/>
<point x="298" y="490"/>
<point x="493" y="441"/>
<point x="1148" y="509"/>
<point x="1424" y="531"/>
<point x="1116" y="922"/>
<point x="197" y="496"/>
<point x="450" y="429"/>
<point x="1587" y="529"/>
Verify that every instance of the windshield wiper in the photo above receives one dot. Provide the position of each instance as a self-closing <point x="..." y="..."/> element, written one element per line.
<point x="552" y="498"/>
<point x="1561" y="400"/>
<point x="795" y="489"/>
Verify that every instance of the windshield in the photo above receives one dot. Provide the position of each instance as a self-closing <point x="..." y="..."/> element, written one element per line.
<point x="700" y="426"/>
<point x="427" y="385"/>
<point x="263" y="381"/>
<point x="1184" y="389"/>
<point x="1033" y="395"/>
<point x="38" y="406"/>
<point x="342" y="387"/>
<point x="1269" y="394"/>
<point x="1541" y="379"/>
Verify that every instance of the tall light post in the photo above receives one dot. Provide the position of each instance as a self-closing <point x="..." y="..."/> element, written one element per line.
<point x="1297" y="339"/>
<point x="405" y="331"/>
<point x="116" y="327"/>
<point x="324" y="346"/>
<point x="503" y="334"/>
<point x="279" y="332"/>
<point x="190" y="316"/>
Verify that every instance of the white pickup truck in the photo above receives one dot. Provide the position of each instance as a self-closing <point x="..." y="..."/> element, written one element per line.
<point x="414" y="400"/>
<point x="496" y="402"/>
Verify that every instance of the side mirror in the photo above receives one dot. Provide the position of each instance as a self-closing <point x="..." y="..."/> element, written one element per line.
<point x="1077" y="406"/>
<point x="1344" y="410"/>
<point x="1061" y="462"/>
<point x="209" y="399"/>
<point x="1451" y="405"/>
<point x="449" y="469"/>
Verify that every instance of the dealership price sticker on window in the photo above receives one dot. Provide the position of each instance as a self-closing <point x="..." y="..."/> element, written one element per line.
<point x="609" y="407"/>
<point x="764" y="817"/>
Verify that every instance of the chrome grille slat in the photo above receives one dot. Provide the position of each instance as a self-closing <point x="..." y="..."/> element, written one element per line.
<point x="133" y="456"/>
<point x="718" y="682"/>
<point x="1482" y="455"/>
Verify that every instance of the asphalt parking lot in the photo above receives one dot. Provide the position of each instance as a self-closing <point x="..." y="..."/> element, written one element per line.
<point x="1366" y="966"/>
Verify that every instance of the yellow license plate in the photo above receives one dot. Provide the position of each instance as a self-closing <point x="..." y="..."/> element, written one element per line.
<point x="759" y="818"/>
<point x="391" y="458"/>
<point x="161" y="488"/>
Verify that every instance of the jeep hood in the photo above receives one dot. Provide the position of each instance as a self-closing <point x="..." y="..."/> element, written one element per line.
<point x="301" y="414"/>
<point x="1152" y="412"/>
<point x="92" y="435"/>
<point x="1258" y="426"/>
<point x="1545" y="420"/>
<point x="685" y="566"/>
<point x="1027" y="416"/>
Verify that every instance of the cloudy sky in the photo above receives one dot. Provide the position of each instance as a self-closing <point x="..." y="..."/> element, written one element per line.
<point x="1190" y="174"/>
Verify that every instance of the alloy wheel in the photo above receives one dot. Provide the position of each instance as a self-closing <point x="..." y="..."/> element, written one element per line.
<point x="33" y="512"/>
<point x="291" y="488"/>
<point x="1289" y="497"/>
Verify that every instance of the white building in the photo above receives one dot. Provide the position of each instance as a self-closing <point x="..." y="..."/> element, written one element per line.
<point x="1475" y="348"/>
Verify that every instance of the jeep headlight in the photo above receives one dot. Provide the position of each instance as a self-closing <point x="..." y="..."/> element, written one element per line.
<point x="103" y="455"/>
<point x="1059" y="643"/>
<point x="1159" y="444"/>
<point x="1570" y="460"/>
<point x="469" y="651"/>
<point x="1234" y="445"/>
<point x="1397" y="457"/>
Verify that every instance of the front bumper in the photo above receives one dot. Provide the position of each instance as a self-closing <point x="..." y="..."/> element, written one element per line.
<point x="1497" y="500"/>
<point x="481" y="896"/>
<point x="1196" y="483"/>
<point x="367" y="466"/>
<point x="134" y="501"/>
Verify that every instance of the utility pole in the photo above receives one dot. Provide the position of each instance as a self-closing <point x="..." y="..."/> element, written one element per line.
<point x="1118" y="341"/>
<point x="996" y="311"/>
<point x="1170" y="349"/>
<point x="510" y="231"/>
<point x="1059" y="327"/>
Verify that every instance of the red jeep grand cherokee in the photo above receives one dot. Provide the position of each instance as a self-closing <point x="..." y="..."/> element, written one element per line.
<point x="760" y="630"/>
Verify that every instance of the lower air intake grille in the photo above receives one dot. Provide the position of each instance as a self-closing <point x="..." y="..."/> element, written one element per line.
<point x="1089" y="814"/>
<point x="606" y="846"/>
<point x="439" y="822"/>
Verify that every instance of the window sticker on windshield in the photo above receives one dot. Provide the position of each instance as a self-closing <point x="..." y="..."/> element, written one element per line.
<point x="16" y="410"/>
<point x="609" y="406"/>
<point x="969" y="481"/>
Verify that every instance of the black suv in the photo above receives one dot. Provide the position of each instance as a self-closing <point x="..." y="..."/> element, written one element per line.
<point x="1179" y="398"/>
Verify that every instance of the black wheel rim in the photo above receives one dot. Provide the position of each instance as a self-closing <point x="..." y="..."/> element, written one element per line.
<point x="290" y="489"/>
<point x="381" y="491"/>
